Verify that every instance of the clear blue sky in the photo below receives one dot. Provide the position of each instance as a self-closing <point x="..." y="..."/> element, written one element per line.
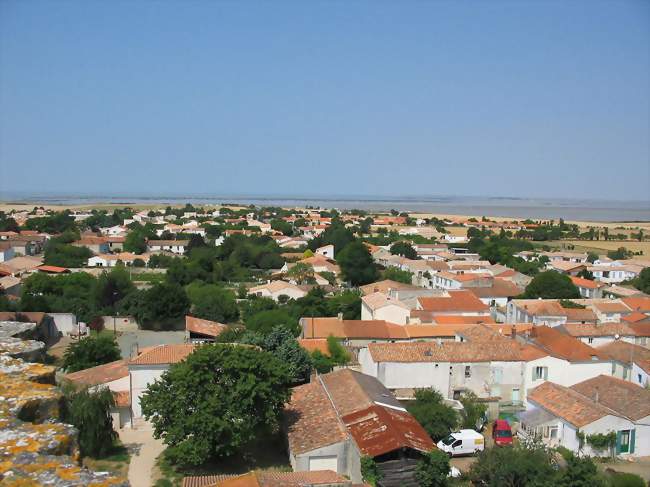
<point x="512" y="98"/>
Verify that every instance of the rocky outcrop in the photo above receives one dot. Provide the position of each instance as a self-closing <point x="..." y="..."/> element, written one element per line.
<point x="35" y="448"/>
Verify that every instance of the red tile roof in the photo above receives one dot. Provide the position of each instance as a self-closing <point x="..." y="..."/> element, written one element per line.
<point x="456" y="302"/>
<point x="204" y="327"/>
<point x="586" y="283"/>
<point x="270" y="478"/>
<point x="568" y="404"/>
<point x="624" y="397"/>
<point x="563" y="346"/>
<point x="313" y="344"/>
<point x="52" y="269"/>
<point x="101" y="374"/>
<point x="635" y="317"/>
<point x="638" y="304"/>
<point x="487" y="351"/>
<point x="164" y="354"/>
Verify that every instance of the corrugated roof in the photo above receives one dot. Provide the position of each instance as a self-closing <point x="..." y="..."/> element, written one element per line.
<point x="378" y="430"/>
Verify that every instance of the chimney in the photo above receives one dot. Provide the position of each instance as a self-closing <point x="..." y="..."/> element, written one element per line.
<point x="340" y="316"/>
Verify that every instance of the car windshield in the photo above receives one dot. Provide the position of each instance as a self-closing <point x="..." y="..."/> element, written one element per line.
<point x="504" y="434"/>
<point x="449" y="440"/>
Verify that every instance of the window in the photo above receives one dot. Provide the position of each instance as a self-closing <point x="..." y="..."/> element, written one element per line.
<point x="591" y="340"/>
<point x="468" y="372"/>
<point x="540" y="373"/>
<point x="639" y="378"/>
<point x="456" y="444"/>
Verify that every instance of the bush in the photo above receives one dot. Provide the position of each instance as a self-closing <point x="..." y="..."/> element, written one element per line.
<point x="432" y="470"/>
<point x="617" y="479"/>
<point x="90" y="352"/>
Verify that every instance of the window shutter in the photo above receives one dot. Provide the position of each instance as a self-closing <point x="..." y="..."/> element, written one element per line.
<point x="533" y="374"/>
<point x="545" y="373"/>
<point x="632" y="435"/>
<point x="618" y="442"/>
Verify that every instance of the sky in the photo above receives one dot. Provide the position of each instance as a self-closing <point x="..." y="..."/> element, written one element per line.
<point x="479" y="98"/>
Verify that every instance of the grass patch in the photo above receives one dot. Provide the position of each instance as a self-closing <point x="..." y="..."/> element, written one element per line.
<point x="151" y="277"/>
<point x="117" y="461"/>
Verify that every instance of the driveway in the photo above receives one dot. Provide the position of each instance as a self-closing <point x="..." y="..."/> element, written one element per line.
<point x="129" y="341"/>
<point x="144" y="449"/>
<point x="639" y="466"/>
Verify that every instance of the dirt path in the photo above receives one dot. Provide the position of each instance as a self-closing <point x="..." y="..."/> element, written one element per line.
<point x="144" y="451"/>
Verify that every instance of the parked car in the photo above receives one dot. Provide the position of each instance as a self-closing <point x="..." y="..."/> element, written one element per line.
<point x="502" y="433"/>
<point x="463" y="442"/>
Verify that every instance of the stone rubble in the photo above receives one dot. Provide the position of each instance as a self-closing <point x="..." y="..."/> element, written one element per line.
<point x="35" y="448"/>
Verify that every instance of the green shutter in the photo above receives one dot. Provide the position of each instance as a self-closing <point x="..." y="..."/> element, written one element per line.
<point x="618" y="442"/>
<point x="545" y="373"/>
<point x="632" y="435"/>
<point x="533" y="374"/>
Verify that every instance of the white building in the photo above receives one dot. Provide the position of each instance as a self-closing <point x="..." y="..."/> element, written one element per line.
<point x="173" y="246"/>
<point x="596" y="406"/>
<point x="275" y="289"/>
<point x="379" y="306"/>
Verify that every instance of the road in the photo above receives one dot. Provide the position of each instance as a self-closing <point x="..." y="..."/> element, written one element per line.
<point x="144" y="449"/>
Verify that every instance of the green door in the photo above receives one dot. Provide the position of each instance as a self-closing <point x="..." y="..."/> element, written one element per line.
<point x="623" y="441"/>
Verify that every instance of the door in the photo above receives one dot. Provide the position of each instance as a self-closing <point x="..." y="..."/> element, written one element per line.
<point x="515" y="395"/>
<point x="328" y="462"/>
<point x="624" y="441"/>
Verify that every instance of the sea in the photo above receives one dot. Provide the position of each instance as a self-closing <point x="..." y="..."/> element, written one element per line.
<point x="509" y="207"/>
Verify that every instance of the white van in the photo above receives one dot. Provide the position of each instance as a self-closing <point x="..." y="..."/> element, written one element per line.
<point x="463" y="442"/>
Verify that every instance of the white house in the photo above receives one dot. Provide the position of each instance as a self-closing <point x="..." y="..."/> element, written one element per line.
<point x="111" y="260"/>
<point x="149" y="366"/>
<point x="326" y="251"/>
<point x="634" y="358"/>
<point x="275" y="289"/>
<point x="174" y="246"/>
<point x="379" y="306"/>
<point x="489" y="369"/>
<point x="600" y="405"/>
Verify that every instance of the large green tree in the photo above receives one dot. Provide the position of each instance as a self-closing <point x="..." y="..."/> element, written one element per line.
<point x="433" y="414"/>
<point x="90" y="352"/>
<point x="212" y="302"/>
<point x="404" y="249"/>
<point x="161" y="306"/>
<point x="357" y="265"/>
<point x="551" y="285"/>
<point x="217" y="400"/>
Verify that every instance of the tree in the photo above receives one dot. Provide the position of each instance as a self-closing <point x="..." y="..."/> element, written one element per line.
<point x="551" y="285"/>
<point x="433" y="414"/>
<point x="433" y="469"/>
<point x="283" y="345"/>
<point x="90" y="352"/>
<point x="642" y="281"/>
<point x="161" y="306"/>
<point x="302" y="273"/>
<point x="404" y="249"/>
<point x="619" y="254"/>
<point x="215" y="401"/>
<point x="90" y="413"/>
<point x="516" y="466"/>
<point x="111" y="287"/>
<point x="264" y="321"/>
<point x="395" y="274"/>
<point x="592" y="257"/>
<point x="136" y="241"/>
<point x="357" y="265"/>
<point x="473" y="411"/>
<point x="212" y="302"/>
<point x="581" y="472"/>
<point x="65" y="255"/>
<point x="196" y="241"/>
<point x="282" y="226"/>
